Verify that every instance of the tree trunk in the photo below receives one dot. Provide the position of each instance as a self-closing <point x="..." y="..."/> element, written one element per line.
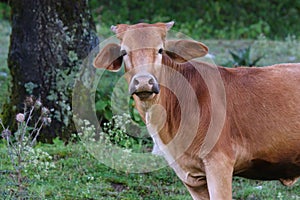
<point x="49" y="40"/>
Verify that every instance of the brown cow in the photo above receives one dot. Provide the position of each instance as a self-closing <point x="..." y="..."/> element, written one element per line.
<point x="247" y="126"/>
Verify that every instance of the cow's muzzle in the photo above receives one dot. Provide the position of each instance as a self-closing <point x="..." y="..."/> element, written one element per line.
<point x="144" y="86"/>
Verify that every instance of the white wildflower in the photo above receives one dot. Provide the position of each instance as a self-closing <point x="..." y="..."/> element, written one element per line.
<point x="20" y="117"/>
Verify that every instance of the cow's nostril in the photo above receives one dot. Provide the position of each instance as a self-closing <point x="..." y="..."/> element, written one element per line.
<point x="151" y="81"/>
<point x="135" y="82"/>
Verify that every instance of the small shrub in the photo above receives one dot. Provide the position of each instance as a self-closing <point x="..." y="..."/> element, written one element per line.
<point x="242" y="57"/>
<point x="118" y="132"/>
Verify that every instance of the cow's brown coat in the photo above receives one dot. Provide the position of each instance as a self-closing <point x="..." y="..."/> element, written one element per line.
<point x="260" y="138"/>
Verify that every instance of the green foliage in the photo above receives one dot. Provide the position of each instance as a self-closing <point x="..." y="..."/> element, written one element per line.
<point x="118" y="132"/>
<point x="4" y="71"/>
<point x="4" y="11"/>
<point x="202" y="19"/>
<point x="206" y="19"/>
<point x="103" y="98"/>
<point x="242" y="57"/>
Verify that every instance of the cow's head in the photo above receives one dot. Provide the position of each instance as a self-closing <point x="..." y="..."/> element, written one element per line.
<point x="142" y="48"/>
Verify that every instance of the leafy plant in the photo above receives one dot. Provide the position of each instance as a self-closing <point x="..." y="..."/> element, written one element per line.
<point x="242" y="58"/>
<point x="115" y="131"/>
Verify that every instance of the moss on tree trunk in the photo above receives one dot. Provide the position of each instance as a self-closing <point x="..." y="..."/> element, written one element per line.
<point x="48" y="41"/>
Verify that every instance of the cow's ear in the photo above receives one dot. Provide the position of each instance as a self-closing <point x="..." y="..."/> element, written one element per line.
<point x="185" y="50"/>
<point x="109" y="58"/>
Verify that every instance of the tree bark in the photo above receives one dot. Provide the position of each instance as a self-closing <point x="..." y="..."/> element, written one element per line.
<point x="48" y="42"/>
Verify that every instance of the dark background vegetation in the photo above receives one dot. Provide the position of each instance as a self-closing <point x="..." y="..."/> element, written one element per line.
<point x="230" y="19"/>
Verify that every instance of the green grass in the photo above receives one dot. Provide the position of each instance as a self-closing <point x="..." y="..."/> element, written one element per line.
<point x="79" y="176"/>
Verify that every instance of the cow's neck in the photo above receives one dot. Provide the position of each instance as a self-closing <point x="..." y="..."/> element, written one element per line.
<point x="176" y="110"/>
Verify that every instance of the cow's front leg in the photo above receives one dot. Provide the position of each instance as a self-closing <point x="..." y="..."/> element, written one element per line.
<point x="219" y="172"/>
<point x="198" y="193"/>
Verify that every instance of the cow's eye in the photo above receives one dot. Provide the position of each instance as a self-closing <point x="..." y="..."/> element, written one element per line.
<point x="160" y="51"/>
<point x="123" y="52"/>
